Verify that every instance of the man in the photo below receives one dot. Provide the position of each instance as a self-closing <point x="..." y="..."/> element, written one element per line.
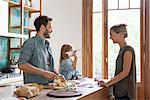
<point x="36" y="58"/>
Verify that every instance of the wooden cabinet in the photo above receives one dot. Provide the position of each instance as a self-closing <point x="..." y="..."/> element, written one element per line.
<point x="19" y="15"/>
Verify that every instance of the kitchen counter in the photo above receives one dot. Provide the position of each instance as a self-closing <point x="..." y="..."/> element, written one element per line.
<point x="89" y="90"/>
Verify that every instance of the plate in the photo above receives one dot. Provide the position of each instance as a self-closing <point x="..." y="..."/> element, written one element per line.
<point x="58" y="88"/>
<point x="63" y="93"/>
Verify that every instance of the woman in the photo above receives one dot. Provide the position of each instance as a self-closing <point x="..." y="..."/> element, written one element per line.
<point x="67" y="65"/>
<point x="124" y="81"/>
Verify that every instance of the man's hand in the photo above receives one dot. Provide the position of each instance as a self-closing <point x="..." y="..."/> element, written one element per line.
<point x="49" y="75"/>
<point x="61" y="78"/>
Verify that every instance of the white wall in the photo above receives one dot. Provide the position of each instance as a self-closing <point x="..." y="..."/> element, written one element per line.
<point x="3" y="17"/>
<point x="67" y="25"/>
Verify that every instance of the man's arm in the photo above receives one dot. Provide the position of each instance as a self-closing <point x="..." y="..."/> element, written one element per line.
<point x="28" y="68"/>
<point x="25" y="55"/>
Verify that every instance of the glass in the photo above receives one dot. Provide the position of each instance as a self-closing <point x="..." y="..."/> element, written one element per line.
<point x="97" y="45"/>
<point x="123" y="4"/>
<point x="3" y="52"/>
<point x="112" y="4"/>
<point x="135" y="3"/>
<point x="97" y="5"/>
<point x="15" y="43"/>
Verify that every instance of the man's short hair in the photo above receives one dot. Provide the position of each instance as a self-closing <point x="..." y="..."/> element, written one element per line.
<point x="41" y="20"/>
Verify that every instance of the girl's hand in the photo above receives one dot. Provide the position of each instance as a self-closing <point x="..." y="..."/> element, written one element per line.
<point x="74" y="54"/>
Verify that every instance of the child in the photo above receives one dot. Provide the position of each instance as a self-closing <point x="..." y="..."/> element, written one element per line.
<point x="67" y="65"/>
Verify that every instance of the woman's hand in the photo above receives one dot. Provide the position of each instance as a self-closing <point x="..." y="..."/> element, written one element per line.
<point x="102" y="83"/>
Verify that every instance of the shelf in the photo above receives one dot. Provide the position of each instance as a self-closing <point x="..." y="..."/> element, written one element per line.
<point x="30" y="28"/>
<point x="31" y="9"/>
<point x="14" y="35"/>
<point x="14" y="49"/>
<point x="15" y="4"/>
<point x="12" y="3"/>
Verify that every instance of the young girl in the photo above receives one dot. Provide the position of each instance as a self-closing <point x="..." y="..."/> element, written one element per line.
<point x="124" y="82"/>
<point x="67" y="65"/>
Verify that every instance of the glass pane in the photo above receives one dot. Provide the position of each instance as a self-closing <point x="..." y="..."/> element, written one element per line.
<point x="123" y="4"/>
<point x="135" y="3"/>
<point x="133" y="39"/>
<point x="112" y="4"/>
<point x="15" y="54"/>
<point x="15" y="43"/>
<point x="97" y="5"/>
<point x="97" y="45"/>
<point x="15" y="15"/>
<point x="35" y="3"/>
<point x="3" y="52"/>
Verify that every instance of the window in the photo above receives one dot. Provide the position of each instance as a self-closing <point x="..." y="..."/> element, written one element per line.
<point x="112" y="4"/>
<point x="123" y="4"/>
<point x="119" y="11"/>
<point x="97" y="42"/>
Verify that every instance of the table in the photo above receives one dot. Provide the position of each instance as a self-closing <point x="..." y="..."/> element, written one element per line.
<point x="90" y="91"/>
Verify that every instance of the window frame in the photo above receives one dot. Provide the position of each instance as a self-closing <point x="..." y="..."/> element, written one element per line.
<point x="142" y="89"/>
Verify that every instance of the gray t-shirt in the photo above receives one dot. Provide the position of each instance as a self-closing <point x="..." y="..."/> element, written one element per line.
<point x="126" y="86"/>
<point x="36" y="52"/>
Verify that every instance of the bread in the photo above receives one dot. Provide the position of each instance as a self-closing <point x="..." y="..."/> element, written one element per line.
<point x="27" y="91"/>
<point x="62" y="83"/>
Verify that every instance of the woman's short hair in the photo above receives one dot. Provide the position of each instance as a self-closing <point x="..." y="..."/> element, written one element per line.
<point x="120" y="28"/>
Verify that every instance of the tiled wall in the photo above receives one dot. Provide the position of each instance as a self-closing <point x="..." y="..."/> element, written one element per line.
<point x="3" y="52"/>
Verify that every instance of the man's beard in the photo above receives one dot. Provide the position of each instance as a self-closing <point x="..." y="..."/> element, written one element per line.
<point x="46" y="34"/>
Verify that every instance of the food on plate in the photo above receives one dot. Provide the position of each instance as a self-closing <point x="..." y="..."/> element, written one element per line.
<point x="62" y="83"/>
<point x="28" y="90"/>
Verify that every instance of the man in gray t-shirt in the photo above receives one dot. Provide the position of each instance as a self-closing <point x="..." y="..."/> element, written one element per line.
<point x="36" y="58"/>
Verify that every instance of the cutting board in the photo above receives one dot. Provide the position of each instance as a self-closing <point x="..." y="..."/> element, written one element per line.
<point x="63" y="93"/>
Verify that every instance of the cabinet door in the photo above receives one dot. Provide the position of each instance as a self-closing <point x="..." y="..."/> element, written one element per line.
<point x="3" y="17"/>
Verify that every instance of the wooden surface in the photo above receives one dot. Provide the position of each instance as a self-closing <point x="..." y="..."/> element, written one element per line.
<point x="87" y="48"/>
<point x="89" y="91"/>
<point x="144" y="89"/>
<point x="146" y="73"/>
<point x="104" y="39"/>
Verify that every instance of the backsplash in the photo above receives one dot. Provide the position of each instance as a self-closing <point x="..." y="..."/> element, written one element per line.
<point x="3" y="52"/>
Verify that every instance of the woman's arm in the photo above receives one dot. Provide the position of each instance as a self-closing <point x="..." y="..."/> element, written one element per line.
<point x="124" y="73"/>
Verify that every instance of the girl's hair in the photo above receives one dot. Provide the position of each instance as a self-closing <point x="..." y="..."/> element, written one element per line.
<point x="120" y="28"/>
<point x="65" y="48"/>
